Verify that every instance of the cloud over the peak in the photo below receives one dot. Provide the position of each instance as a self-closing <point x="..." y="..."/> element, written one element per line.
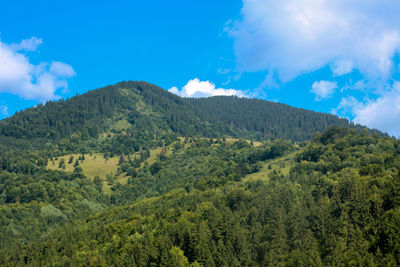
<point x="197" y="88"/>
<point x="294" y="37"/>
<point x="20" y="77"/>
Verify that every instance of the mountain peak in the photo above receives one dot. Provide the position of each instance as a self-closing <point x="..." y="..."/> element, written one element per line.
<point x="145" y="107"/>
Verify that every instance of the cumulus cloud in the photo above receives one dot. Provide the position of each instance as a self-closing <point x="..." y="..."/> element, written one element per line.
<point x="197" y="88"/>
<point x="21" y="77"/>
<point x="294" y="37"/>
<point x="323" y="89"/>
<point x="382" y="113"/>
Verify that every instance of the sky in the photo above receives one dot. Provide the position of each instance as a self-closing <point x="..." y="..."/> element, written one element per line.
<point x="340" y="57"/>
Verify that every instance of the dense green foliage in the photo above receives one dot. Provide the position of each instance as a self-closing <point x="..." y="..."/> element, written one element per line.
<point x="339" y="205"/>
<point x="125" y="116"/>
<point x="200" y="164"/>
<point x="84" y="114"/>
<point x="333" y="200"/>
<point x="259" y="119"/>
<point x="33" y="205"/>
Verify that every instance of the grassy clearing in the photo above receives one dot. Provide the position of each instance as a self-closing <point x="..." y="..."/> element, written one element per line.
<point x="281" y="165"/>
<point x="121" y="125"/>
<point x="154" y="154"/>
<point x="231" y="140"/>
<point x="93" y="165"/>
<point x="96" y="165"/>
<point x="228" y="140"/>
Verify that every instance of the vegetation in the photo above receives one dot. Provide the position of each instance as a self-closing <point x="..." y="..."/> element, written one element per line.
<point x="258" y="119"/>
<point x="129" y="115"/>
<point x="337" y="205"/>
<point x="160" y="181"/>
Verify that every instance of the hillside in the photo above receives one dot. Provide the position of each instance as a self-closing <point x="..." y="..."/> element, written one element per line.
<point x="131" y="175"/>
<point x="260" y="119"/>
<point x="129" y="115"/>
<point x="330" y="202"/>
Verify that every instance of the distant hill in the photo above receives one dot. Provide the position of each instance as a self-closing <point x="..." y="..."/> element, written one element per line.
<point x="143" y="112"/>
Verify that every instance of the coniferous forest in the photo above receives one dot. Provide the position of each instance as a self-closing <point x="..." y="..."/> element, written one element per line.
<point x="132" y="175"/>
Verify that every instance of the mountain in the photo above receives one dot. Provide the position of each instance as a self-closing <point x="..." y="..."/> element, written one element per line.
<point x="131" y="175"/>
<point x="145" y="112"/>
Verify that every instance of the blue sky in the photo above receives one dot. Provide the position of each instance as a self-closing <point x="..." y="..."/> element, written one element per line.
<point x="339" y="57"/>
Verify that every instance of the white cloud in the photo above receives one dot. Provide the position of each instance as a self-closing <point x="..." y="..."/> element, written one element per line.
<point x="197" y="88"/>
<point x="174" y="90"/>
<point x="350" y="104"/>
<point x="323" y="89"/>
<point x="20" y="77"/>
<point x="342" y="67"/>
<point x="27" y="44"/>
<point x="294" y="37"/>
<point x="3" y="110"/>
<point x="382" y="113"/>
<point x="61" y="69"/>
<point x="268" y="82"/>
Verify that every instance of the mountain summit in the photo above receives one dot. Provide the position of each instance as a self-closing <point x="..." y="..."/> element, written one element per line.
<point x="143" y="112"/>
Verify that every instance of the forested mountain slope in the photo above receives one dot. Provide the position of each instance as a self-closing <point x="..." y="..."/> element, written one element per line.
<point x="144" y="112"/>
<point x="260" y="119"/>
<point x="132" y="175"/>
<point x="338" y="205"/>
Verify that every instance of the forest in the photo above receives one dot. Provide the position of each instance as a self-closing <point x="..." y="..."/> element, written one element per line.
<point x="194" y="182"/>
<point x="144" y="112"/>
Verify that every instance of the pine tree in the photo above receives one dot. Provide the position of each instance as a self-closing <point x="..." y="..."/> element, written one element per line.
<point x="121" y="158"/>
<point x="98" y="183"/>
<point x="71" y="159"/>
<point x="61" y="164"/>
